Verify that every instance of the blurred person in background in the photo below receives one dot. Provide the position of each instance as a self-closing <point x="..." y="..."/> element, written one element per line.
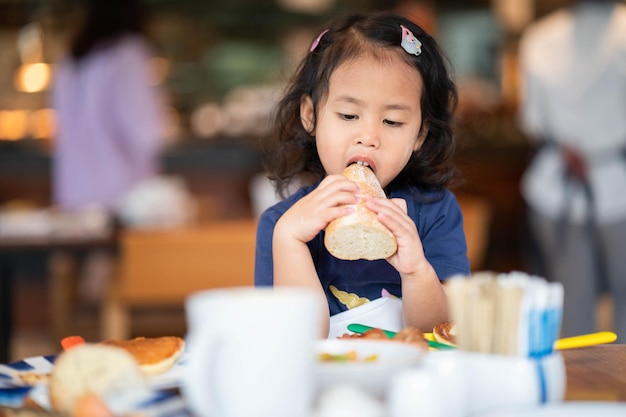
<point x="573" y="64"/>
<point x="111" y="118"/>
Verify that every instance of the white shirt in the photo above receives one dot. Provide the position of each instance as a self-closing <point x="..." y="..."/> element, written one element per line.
<point x="573" y="66"/>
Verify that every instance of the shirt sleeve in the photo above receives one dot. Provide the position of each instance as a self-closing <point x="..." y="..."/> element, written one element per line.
<point x="440" y="226"/>
<point x="263" y="263"/>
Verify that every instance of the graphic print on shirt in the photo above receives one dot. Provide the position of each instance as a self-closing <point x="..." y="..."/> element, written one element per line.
<point x="351" y="300"/>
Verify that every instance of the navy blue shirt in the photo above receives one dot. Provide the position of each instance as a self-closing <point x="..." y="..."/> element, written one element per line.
<point x="440" y="226"/>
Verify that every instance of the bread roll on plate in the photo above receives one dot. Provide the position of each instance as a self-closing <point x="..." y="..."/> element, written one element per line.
<point x="93" y="369"/>
<point x="360" y="235"/>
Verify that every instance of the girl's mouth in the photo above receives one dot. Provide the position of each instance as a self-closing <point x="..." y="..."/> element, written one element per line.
<point x="361" y="163"/>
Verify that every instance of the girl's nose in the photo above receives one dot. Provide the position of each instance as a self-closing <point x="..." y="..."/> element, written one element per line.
<point x="369" y="136"/>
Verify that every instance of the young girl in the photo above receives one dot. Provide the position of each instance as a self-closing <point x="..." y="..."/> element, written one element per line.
<point x="373" y="89"/>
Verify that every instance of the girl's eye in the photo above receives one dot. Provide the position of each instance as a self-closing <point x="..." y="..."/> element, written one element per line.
<point x="392" y="123"/>
<point x="347" y="116"/>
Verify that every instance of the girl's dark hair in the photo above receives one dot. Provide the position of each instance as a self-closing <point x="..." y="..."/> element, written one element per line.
<point x="105" y="21"/>
<point x="292" y="155"/>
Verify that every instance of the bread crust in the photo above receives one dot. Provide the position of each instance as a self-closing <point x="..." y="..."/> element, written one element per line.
<point x="154" y="355"/>
<point x="360" y="235"/>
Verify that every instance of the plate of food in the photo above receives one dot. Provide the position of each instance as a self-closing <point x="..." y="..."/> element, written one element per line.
<point x="156" y="363"/>
<point x="367" y="363"/>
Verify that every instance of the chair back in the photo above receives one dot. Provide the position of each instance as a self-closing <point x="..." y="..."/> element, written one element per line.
<point x="477" y="218"/>
<point x="164" y="267"/>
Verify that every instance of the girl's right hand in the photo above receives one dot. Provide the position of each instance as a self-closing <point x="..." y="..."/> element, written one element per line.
<point x="312" y="213"/>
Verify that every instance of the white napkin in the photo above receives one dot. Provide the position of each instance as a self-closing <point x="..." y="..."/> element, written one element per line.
<point x="384" y="313"/>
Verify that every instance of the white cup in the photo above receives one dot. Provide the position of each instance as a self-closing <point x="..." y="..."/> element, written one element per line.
<point x="251" y="352"/>
<point x="461" y="384"/>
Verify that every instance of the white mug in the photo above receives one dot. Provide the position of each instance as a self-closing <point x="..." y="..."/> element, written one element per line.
<point x="251" y="352"/>
<point x="461" y="384"/>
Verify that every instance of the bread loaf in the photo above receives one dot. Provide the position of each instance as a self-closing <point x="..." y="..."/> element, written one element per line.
<point x="360" y="235"/>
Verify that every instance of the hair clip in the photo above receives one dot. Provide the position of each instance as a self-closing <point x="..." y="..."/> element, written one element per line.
<point x="317" y="40"/>
<point x="410" y="43"/>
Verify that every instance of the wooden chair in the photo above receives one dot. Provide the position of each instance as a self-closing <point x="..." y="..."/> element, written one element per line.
<point x="161" y="268"/>
<point x="477" y="214"/>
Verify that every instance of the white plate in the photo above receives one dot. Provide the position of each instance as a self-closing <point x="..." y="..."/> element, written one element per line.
<point x="171" y="378"/>
<point x="373" y="376"/>
<point x="566" y="409"/>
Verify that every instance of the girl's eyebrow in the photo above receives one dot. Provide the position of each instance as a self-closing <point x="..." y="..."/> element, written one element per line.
<point x="401" y="107"/>
<point x="350" y="99"/>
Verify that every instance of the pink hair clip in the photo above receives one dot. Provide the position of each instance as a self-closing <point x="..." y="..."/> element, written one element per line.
<point x="410" y="43"/>
<point x="317" y="40"/>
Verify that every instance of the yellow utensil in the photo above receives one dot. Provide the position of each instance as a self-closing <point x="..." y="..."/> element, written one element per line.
<point x="573" y="342"/>
<point x="585" y="340"/>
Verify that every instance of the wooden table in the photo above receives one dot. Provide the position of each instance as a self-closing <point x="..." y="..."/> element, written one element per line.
<point x="61" y="251"/>
<point x="596" y="373"/>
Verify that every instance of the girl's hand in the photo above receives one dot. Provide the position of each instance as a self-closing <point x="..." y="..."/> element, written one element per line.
<point x="424" y="301"/>
<point x="331" y="199"/>
<point x="409" y="258"/>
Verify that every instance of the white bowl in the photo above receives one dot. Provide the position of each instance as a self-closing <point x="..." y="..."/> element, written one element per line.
<point x="372" y="376"/>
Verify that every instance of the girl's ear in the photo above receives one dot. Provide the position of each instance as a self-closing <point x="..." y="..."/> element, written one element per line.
<point x="421" y="137"/>
<point x="307" y="114"/>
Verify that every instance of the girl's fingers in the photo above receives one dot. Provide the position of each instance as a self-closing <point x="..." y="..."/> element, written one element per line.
<point x="392" y="213"/>
<point x="333" y="191"/>
<point x="400" y="202"/>
<point x="311" y="214"/>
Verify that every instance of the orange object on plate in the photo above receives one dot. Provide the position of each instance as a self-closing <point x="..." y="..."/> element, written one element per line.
<point x="72" y="341"/>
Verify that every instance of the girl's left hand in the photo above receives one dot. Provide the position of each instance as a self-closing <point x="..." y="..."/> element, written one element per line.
<point x="409" y="258"/>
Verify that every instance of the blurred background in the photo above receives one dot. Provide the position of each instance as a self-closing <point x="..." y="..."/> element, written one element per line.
<point x="223" y="64"/>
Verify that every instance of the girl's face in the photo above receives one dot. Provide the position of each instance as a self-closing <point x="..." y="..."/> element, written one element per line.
<point x="372" y="114"/>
